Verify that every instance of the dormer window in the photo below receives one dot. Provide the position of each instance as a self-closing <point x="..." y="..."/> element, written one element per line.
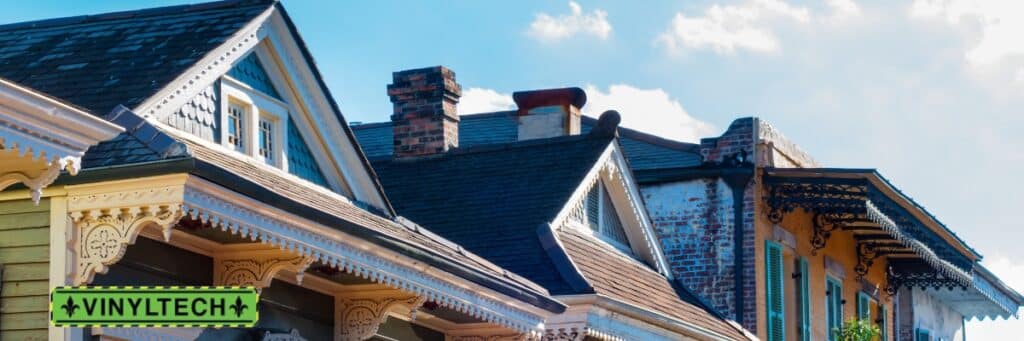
<point x="266" y="140"/>
<point x="254" y="123"/>
<point x="602" y="218"/>
<point x="236" y="127"/>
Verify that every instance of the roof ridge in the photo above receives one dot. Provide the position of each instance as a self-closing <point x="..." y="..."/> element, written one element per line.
<point x="137" y="13"/>
<point x="497" y="147"/>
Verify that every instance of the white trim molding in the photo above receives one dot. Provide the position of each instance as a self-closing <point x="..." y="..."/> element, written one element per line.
<point x="248" y="218"/>
<point x="41" y="136"/>
<point x="109" y="216"/>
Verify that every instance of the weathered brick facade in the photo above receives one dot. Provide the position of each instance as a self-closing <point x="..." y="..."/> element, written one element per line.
<point x="695" y="222"/>
<point x="425" y="120"/>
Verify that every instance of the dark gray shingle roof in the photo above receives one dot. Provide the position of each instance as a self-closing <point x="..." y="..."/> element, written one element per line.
<point x="644" y="151"/>
<point x="99" y="61"/>
<point x="491" y="199"/>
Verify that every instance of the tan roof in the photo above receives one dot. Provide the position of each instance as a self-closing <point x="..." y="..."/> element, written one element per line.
<point x="619" y="277"/>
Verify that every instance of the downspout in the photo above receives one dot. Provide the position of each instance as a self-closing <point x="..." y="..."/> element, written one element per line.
<point x="737" y="179"/>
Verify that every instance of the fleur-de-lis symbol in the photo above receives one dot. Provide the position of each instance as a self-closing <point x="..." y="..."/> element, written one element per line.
<point x="238" y="307"/>
<point x="70" y="306"/>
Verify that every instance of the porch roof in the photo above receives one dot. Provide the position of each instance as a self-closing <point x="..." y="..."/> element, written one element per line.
<point x="922" y="251"/>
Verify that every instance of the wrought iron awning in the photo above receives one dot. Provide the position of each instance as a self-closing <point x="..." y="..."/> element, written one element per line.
<point x="881" y="220"/>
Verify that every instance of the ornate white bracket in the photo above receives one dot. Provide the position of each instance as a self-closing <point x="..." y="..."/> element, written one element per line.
<point x="103" y="235"/>
<point x="257" y="268"/>
<point x="107" y="217"/>
<point x="35" y="174"/>
<point x="359" y="318"/>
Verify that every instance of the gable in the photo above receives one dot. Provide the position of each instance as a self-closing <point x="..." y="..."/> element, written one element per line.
<point x="607" y="207"/>
<point x="258" y="96"/>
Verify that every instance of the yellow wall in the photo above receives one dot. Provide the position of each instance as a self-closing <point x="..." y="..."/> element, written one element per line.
<point x="841" y="247"/>
<point x="24" y="254"/>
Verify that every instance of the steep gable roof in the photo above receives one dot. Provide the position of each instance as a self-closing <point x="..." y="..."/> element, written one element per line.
<point x="496" y="200"/>
<point x="644" y="151"/>
<point x="100" y="61"/>
<point x="491" y="199"/>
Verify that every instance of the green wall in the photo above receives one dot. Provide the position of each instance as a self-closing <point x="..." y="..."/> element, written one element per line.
<point x="24" y="256"/>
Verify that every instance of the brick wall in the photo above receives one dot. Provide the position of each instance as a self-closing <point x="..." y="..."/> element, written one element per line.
<point x="425" y="120"/>
<point x="695" y="220"/>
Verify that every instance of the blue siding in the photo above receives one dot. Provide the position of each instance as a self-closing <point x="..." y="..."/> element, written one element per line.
<point x="250" y="71"/>
<point x="200" y="115"/>
<point x="300" y="159"/>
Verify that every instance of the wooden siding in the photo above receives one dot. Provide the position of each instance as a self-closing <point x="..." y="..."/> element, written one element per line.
<point x="24" y="255"/>
<point x="200" y="116"/>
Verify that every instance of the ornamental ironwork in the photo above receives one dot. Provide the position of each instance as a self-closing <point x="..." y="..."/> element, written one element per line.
<point x="910" y="274"/>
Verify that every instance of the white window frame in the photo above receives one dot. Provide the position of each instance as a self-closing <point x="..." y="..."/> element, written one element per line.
<point x="259" y="106"/>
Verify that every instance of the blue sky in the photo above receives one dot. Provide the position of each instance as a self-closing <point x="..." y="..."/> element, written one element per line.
<point x="930" y="92"/>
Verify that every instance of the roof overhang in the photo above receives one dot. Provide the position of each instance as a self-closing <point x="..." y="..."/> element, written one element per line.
<point x="603" y="320"/>
<point x="41" y="136"/>
<point x="884" y="221"/>
<point x="986" y="298"/>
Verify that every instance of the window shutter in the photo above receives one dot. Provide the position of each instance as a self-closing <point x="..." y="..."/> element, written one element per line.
<point x="922" y="335"/>
<point x="610" y="218"/>
<point x="863" y="306"/>
<point x="834" y="306"/>
<point x="776" y="313"/>
<point x="593" y="208"/>
<point x="884" y="324"/>
<point x="805" y="301"/>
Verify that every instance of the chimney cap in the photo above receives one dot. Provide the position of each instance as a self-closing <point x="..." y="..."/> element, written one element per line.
<point x="535" y="98"/>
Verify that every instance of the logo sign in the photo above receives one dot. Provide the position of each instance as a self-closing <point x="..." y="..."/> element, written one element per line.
<point x="154" y="306"/>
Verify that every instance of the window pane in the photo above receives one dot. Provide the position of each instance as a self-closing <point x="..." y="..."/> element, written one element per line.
<point x="236" y="127"/>
<point x="593" y="208"/>
<point x="266" y="150"/>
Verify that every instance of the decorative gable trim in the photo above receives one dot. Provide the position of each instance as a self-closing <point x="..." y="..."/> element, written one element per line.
<point x="612" y="169"/>
<point x="272" y="38"/>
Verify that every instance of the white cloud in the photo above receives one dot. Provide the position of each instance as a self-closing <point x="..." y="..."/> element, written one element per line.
<point x="996" y="25"/>
<point x="747" y="26"/>
<point x="548" y="28"/>
<point x="1013" y="275"/>
<point x="477" y="100"/>
<point x="649" y="110"/>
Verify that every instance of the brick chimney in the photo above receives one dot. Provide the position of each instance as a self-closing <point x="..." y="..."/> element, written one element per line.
<point x="425" y="120"/>
<point x="549" y="113"/>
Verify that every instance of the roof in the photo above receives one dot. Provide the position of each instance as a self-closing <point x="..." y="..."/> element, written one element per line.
<point x="100" y="61"/>
<point x="627" y="280"/>
<point x="490" y="199"/>
<point x="496" y="199"/>
<point x="644" y="151"/>
<point x="118" y="60"/>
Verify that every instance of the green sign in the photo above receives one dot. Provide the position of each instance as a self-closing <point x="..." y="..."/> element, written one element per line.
<point x="154" y="306"/>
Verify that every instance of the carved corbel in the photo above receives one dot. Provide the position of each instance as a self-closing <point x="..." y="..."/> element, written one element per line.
<point x="257" y="268"/>
<point x="359" y="318"/>
<point x="37" y="178"/>
<point x="103" y="235"/>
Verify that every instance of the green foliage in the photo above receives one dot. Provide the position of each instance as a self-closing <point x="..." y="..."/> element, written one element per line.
<point x="856" y="330"/>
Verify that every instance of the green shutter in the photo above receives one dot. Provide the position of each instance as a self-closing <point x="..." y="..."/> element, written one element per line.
<point x="833" y="306"/>
<point x="863" y="306"/>
<point x="884" y="325"/>
<point x="922" y="335"/>
<point x="805" y="301"/>
<point x="774" y="289"/>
